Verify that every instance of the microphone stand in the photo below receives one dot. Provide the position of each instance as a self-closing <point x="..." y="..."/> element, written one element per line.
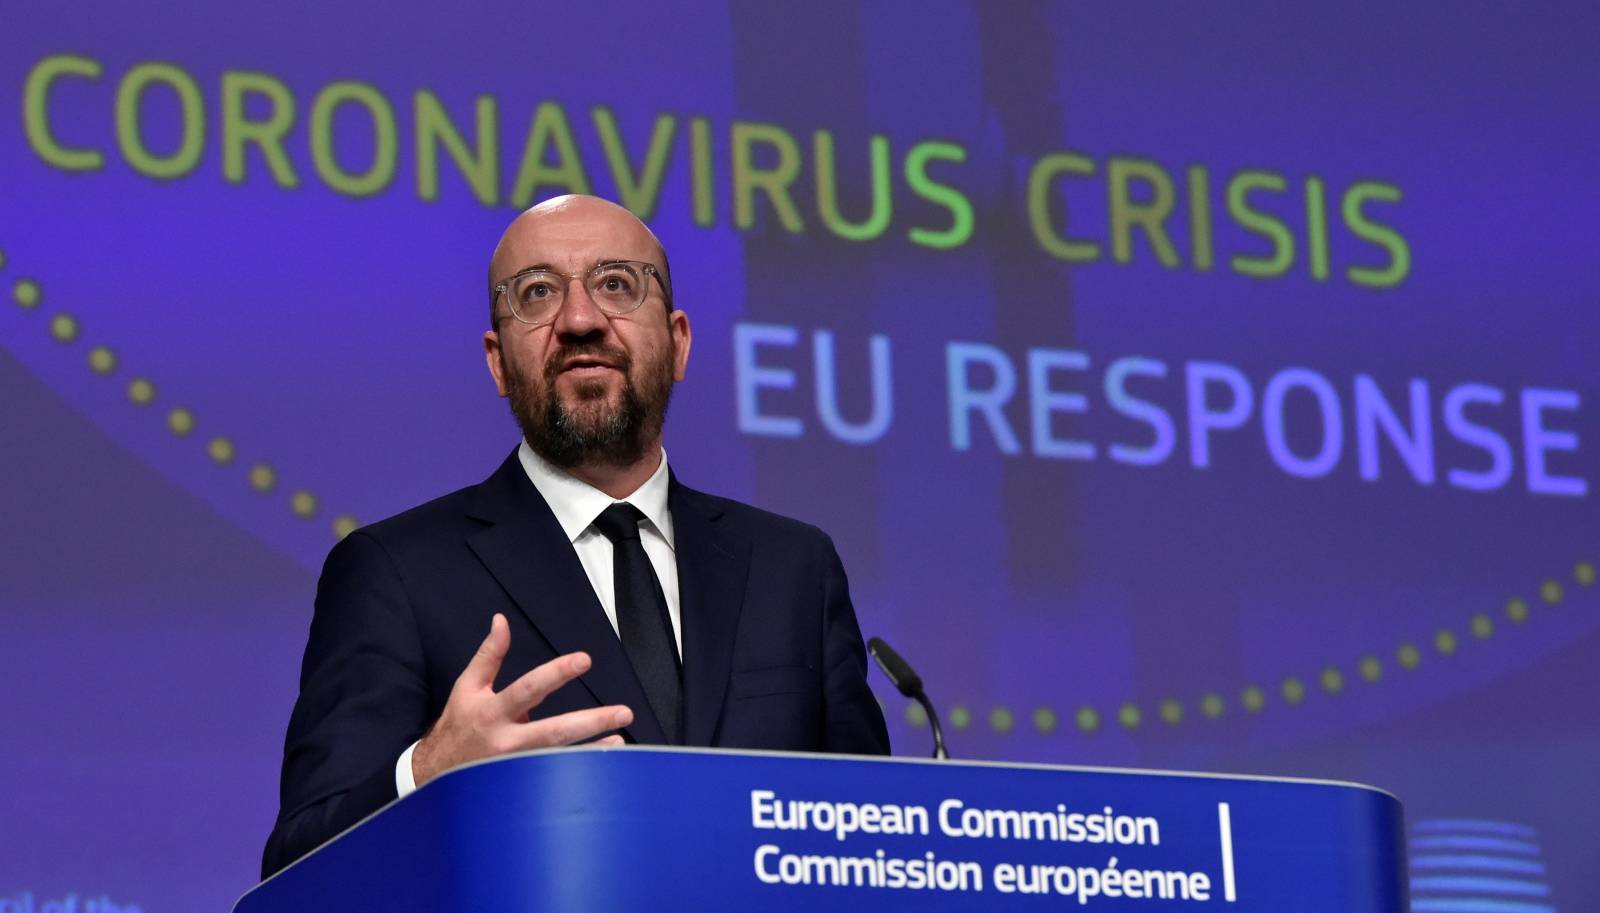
<point x="908" y="683"/>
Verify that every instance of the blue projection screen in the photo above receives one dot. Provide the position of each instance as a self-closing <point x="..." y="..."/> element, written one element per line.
<point x="1185" y="386"/>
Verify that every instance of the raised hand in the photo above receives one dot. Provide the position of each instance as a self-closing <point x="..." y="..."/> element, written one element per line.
<point x="479" y="722"/>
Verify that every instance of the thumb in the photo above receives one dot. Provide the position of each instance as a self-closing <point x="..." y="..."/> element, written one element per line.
<point x="485" y="664"/>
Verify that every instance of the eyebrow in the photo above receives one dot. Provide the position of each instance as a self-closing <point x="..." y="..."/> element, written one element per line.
<point x="550" y="268"/>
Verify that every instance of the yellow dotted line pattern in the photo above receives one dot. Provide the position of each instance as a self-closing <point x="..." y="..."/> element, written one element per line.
<point x="1292" y="690"/>
<point x="181" y="421"/>
<point x="1045" y="720"/>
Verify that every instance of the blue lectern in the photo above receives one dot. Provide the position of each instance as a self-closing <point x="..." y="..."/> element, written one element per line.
<point x="625" y="829"/>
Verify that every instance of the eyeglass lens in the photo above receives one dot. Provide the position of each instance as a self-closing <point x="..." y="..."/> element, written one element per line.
<point x="615" y="288"/>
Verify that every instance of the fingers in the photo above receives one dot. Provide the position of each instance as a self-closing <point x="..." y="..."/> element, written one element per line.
<point x="533" y="687"/>
<point x="485" y="664"/>
<point x="610" y="741"/>
<point x="577" y="726"/>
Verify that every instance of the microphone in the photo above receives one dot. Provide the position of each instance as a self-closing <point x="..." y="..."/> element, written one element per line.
<point x="909" y="683"/>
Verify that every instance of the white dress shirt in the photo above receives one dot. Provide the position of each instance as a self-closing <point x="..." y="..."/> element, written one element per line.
<point x="576" y="504"/>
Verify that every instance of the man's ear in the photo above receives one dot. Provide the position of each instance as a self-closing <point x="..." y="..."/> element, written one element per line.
<point x="678" y="326"/>
<point x="492" y="355"/>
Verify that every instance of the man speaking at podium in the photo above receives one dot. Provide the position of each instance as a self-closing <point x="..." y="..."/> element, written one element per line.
<point x="580" y="593"/>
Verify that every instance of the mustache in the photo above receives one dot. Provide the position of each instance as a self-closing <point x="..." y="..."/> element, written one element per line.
<point x="599" y="351"/>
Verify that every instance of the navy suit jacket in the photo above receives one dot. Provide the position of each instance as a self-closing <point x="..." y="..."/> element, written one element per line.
<point x="772" y="654"/>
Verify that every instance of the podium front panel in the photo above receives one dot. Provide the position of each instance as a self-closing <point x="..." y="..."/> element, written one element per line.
<point x="633" y="828"/>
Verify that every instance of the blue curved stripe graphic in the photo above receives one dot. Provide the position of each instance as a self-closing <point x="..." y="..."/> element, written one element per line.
<point x="1480" y="883"/>
<point x="1475" y="825"/>
<point x="1455" y="842"/>
<point x="1484" y="863"/>
<point x="1476" y="905"/>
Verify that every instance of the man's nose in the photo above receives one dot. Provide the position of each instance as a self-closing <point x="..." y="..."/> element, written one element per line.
<point x="579" y="315"/>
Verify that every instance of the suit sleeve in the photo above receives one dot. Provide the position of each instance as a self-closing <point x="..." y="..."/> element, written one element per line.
<point x="853" y="722"/>
<point x="363" y="699"/>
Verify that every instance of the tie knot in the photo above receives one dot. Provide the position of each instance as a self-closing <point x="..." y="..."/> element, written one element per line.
<point x="619" y="522"/>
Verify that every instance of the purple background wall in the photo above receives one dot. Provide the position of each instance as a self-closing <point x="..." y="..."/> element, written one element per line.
<point x="1428" y="627"/>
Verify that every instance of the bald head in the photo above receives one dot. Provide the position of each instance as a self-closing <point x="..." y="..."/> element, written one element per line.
<point x="570" y="234"/>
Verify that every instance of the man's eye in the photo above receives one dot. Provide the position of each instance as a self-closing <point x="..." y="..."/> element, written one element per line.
<point x="538" y="291"/>
<point x="616" y="283"/>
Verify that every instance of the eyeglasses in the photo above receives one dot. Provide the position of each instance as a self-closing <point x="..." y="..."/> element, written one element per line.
<point x="616" y="287"/>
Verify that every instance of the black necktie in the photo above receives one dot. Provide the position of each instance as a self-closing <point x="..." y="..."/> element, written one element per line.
<point x="642" y="619"/>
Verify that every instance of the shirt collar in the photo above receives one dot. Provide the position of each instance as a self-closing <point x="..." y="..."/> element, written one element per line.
<point x="576" y="503"/>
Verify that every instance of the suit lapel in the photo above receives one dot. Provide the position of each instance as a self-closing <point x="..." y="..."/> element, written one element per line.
<point x="713" y="568"/>
<point x="529" y="554"/>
